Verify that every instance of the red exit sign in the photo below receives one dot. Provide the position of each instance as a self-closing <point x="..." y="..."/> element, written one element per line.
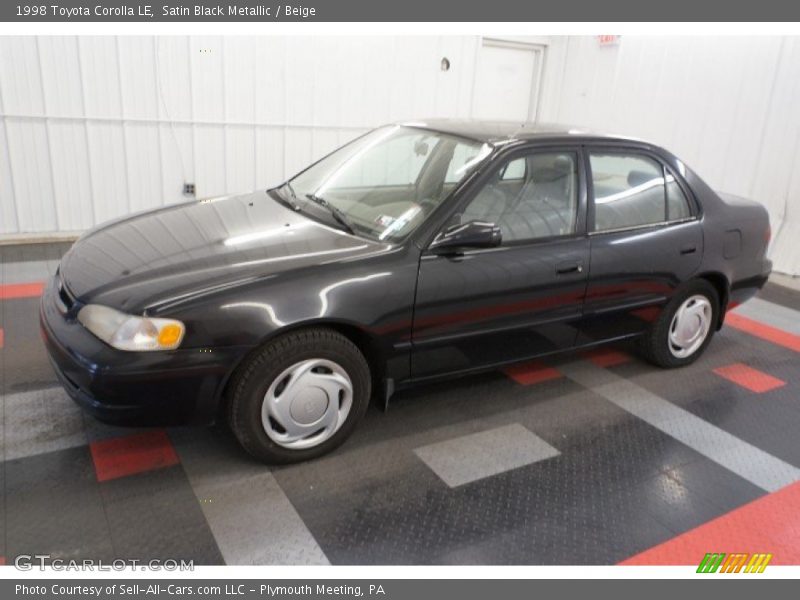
<point x="608" y="40"/>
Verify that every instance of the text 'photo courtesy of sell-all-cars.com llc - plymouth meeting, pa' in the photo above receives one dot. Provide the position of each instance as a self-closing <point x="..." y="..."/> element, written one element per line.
<point x="416" y="252"/>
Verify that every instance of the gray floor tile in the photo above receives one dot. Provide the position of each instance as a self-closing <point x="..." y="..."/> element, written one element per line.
<point x="771" y="314"/>
<point x="252" y="520"/>
<point x="97" y="430"/>
<point x="53" y="506"/>
<point x="154" y="514"/>
<point x="471" y="457"/>
<point x="753" y="464"/>
<point x="41" y="421"/>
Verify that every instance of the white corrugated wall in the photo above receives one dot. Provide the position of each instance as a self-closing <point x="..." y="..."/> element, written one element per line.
<point x="728" y="106"/>
<point x="97" y="127"/>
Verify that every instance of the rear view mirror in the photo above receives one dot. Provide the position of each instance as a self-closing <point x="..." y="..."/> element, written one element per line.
<point x="421" y="148"/>
<point x="473" y="234"/>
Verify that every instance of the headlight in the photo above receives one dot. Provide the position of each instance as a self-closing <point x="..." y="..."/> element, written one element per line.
<point x="128" y="332"/>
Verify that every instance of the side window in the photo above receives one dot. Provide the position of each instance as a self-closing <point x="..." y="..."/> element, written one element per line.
<point x="631" y="190"/>
<point x="530" y="198"/>
<point x="628" y="191"/>
<point x="514" y="169"/>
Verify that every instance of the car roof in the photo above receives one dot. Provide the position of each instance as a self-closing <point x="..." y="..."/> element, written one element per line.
<point x="498" y="132"/>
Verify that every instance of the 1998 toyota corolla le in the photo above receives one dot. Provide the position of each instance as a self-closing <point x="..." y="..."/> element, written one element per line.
<point x="415" y="252"/>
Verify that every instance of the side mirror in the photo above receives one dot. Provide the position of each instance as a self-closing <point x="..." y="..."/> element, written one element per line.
<point x="473" y="234"/>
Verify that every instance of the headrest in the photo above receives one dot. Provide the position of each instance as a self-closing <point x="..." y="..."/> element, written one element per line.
<point x="563" y="164"/>
<point x="547" y="168"/>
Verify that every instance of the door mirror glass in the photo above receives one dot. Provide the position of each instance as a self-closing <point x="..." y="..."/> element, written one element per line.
<point x="473" y="234"/>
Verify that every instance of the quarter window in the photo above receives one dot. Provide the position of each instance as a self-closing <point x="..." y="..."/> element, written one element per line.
<point x="514" y="170"/>
<point x="529" y="198"/>
<point x="631" y="190"/>
<point x="677" y="203"/>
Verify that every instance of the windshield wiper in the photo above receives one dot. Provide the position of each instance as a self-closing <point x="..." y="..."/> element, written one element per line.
<point x="336" y="212"/>
<point x="294" y="204"/>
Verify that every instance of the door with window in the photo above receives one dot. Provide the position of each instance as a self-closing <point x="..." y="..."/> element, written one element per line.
<point x="507" y="80"/>
<point x="645" y="240"/>
<point x="489" y="306"/>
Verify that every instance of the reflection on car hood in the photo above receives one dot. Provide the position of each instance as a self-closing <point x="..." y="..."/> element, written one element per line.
<point x="183" y="250"/>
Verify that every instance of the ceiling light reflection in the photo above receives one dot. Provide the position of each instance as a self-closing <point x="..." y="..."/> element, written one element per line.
<point x="267" y="308"/>
<point x="656" y="181"/>
<point x="255" y="236"/>
<point x="262" y="261"/>
<point x="323" y="294"/>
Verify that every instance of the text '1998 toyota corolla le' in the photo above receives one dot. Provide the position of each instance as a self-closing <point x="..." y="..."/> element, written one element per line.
<point x="415" y="252"/>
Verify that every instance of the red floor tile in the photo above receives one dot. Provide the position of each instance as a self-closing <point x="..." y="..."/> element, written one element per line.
<point x="750" y="378"/>
<point x="770" y="524"/>
<point x="606" y="357"/>
<point x="763" y="331"/>
<point x="532" y="372"/>
<point x="120" y="457"/>
<point x="21" y="290"/>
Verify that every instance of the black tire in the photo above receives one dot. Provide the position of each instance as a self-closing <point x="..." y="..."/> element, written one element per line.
<point x="654" y="344"/>
<point x="253" y="378"/>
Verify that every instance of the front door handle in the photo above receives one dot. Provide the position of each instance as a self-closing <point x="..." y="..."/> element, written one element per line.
<point x="567" y="268"/>
<point x="689" y="249"/>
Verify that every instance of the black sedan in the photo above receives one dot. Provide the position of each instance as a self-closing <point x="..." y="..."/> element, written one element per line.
<point x="416" y="252"/>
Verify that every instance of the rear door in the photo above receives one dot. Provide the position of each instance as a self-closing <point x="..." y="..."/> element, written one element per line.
<point x="645" y="240"/>
<point x="485" y="307"/>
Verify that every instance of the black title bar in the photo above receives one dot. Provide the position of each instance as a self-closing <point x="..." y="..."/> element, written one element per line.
<point x="399" y="10"/>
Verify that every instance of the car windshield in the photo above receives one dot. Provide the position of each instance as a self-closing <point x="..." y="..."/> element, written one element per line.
<point x="384" y="184"/>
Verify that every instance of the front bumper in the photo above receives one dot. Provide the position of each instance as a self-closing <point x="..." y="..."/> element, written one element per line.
<point x="172" y="387"/>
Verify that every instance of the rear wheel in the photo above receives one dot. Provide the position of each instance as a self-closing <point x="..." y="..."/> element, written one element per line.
<point x="300" y="396"/>
<point x="684" y="328"/>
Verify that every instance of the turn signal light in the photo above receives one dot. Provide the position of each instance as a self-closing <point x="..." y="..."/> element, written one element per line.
<point x="170" y="335"/>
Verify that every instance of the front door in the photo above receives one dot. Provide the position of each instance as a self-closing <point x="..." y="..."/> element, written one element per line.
<point x="484" y="307"/>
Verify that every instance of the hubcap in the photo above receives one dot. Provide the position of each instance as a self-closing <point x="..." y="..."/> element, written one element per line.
<point x="307" y="403"/>
<point x="690" y="326"/>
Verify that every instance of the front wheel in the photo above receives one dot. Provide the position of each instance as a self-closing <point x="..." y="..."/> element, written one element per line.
<point x="300" y="396"/>
<point x="684" y="328"/>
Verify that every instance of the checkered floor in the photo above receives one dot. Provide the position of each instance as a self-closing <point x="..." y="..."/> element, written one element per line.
<point x="593" y="458"/>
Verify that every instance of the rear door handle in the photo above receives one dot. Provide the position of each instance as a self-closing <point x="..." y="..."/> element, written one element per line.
<point x="566" y="268"/>
<point x="688" y="249"/>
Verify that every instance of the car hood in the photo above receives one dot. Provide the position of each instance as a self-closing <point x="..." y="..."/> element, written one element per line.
<point x="179" y="252"/>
